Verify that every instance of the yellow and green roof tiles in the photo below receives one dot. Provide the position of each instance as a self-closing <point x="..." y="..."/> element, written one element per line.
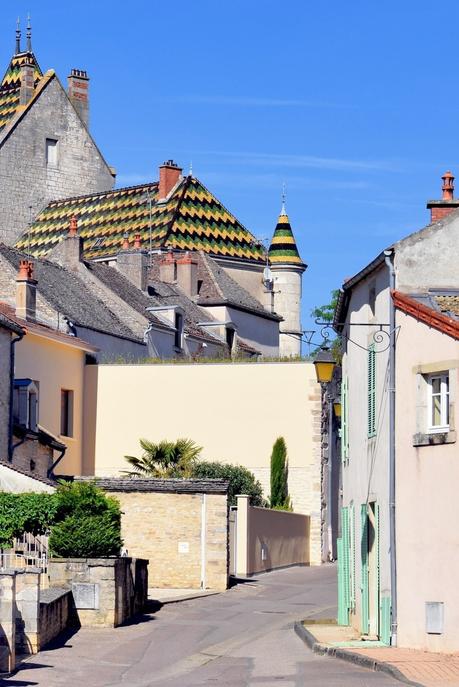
<point x="11" y="85"/>
<point x="283" y="249"/>
<point x="192" y="219"/>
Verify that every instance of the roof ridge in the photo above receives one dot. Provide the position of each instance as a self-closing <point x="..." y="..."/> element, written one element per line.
<point x="97" y="194"/>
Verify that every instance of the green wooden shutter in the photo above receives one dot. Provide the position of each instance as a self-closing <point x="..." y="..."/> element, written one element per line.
<point x="377" y="576"/>
<point x="364" y="569"/>
<point x="385" y="620"/>
<point x="371" y="391"/>
<point x="342" y="609"/>
<point x="346" y="559"/>
<point x="344" y="419"/>
<point x="352" y="558"/>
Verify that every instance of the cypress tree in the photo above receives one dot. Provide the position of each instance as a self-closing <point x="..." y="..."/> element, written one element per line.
<point x="279" y="474"/>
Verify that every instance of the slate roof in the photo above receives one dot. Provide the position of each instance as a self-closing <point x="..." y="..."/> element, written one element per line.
<point x="179" y="486"/>
<point x="11" y="84"/>
<point x="191" y="219"/>
<point x="27" y="473"/>
<point x="283" y="249"/>
<point x="8" y="323"/>
<point x="221" y="288"/>
<point x="68" y="294"/>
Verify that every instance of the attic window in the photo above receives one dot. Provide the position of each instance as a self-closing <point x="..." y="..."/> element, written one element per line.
<point x="199" y="287"/>
<point x="178" y="342"/>
<point x="51" y="152"/>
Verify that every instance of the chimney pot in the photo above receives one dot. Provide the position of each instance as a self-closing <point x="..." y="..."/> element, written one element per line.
<point x="169" y="175"/>
<point x="125" y="245"/>
<point x="137" y="242"/>
<point x="448" y="203"/>
<point x="26" y="291"/>
<point x="78" y="92"/>
<point x="73" y="227"/>
<point x="448" y="186"/>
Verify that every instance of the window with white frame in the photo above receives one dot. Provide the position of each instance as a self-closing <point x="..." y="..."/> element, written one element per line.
<point x="438" y="402"/>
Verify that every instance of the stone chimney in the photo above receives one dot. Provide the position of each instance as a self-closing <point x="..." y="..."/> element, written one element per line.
<point x="169" y="175"/>
<point x="27" y="70"/>
<point x="168" y="269"/>
<point x="69" y="251"/>
<point x="26" y="291"/>
<point x="78" y="90"/>
<point x="187" y="275"/>
<point x="442" y="208"/>
<point x="132" y="262"/>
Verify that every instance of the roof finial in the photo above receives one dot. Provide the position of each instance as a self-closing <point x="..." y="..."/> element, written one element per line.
<point x="18" y="36"/>
<point x="283" y="199"/>
<point x="29" y="34"/>
<point x="190" y="173"/>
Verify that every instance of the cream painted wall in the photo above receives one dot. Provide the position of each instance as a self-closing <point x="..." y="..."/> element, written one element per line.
<point x="5" y="344"/>
<point x="55" y="366"/>
<point x="427" y="507"/>
<point x="235" y="411"/>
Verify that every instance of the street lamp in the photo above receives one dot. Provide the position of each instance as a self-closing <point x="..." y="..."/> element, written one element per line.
<point x="337" y="408"/>
<point x="324" y="364"/>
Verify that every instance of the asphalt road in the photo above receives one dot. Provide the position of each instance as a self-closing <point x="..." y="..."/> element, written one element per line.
<point x="241" y="638"/>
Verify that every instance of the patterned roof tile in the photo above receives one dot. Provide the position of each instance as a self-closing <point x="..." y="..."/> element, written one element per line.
<point x="11" y="85"/>
<point x="283" y="249"/>
<point x="191" y="219"/>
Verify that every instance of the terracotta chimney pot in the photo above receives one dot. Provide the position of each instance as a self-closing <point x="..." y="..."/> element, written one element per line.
<point x="73" y="227"/>
<point x="137" y="242"/>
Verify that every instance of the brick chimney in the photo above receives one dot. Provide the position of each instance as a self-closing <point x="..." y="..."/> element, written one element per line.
<point x="168" y="268"/>
<point x="442" y="208"/>
<point x="27" y="70"/>
<point x="187" y="275"/>
<point x="26" y="291"/>
<point x="78" y="91"/>
<point x="132" y="262"/>
<point x="69" y="251"/>
<point x="169" y="175"/>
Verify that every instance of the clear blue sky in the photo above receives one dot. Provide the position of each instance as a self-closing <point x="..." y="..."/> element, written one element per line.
<point x="353" y="104"/>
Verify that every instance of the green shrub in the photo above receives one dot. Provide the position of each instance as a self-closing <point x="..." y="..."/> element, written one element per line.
<point x="34" y="513"/>
<point x="88" y="523"/>
<point x="241" y="480"/>
<point x="279" y="476"/>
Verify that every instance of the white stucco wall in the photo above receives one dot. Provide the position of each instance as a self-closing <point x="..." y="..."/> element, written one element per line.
<point x="427" y="506"/>
<point x="5" y="339"/>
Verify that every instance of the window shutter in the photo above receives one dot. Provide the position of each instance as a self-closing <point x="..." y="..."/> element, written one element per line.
<point x="23" y="406"/>
<point x="377" y="576"/>
<point x="344" y="420"/>
<point x="385" y="620"/>
<point x="371" y="391"/>
<point x="346" y="560"/>
<point x="342" y="609"/>
<point x="352" y="558"/>
<point x="364" y="569"/>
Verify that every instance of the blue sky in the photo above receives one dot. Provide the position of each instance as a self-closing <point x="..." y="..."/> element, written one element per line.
<point x="352" y="104"/>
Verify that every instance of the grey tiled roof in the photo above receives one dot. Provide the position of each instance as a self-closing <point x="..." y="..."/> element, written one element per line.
<point x="27" y="473"/>
<point x="68" y="295"/>
<point x="219" y="287"/>
<point x="178" y="486"/>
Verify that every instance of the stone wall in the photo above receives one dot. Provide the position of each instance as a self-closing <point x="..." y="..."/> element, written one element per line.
<point x="26" y="177"/>
<point x="166" y="528"/>
<point x="106" y="591"/>
<point x="55" y="615"/>
<point x="27" y="611"/>
<point x="7" y="622"/>
<point x="33" y="457"/>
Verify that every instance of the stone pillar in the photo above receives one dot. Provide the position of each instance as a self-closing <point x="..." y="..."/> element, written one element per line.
<point x="28" y="611"/>
<point x="7" y="621"/>
<point x="242" y="535"/>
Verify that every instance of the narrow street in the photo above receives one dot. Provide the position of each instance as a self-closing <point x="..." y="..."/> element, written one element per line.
<point x="243" y="637"/>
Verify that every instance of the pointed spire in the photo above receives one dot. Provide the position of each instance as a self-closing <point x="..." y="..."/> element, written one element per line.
<point x="283" y="249"/>
<point x="29" y="34"/>
<point x="282" y="212"/>
<point x="18" y="36"/>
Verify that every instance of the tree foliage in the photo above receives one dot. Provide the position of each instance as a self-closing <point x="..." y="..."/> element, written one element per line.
<point x="241" y="480"/>
<point x="325" y="313"/>
<point x="88" y="523"/>
<point x="20" y="513"/>
<point x="279" y="476"/>
<point x="165" y="459"/>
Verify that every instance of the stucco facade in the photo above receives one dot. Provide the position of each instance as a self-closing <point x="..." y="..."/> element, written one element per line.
<point x="427" y="508"/>
<point x="235" y="411"/>
<point x="5" y="339"/>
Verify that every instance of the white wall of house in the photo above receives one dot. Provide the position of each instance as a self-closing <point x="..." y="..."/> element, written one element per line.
<point x="366" y="471"/>
<point x="427" y="505"/>
<point x="260" y="332"/>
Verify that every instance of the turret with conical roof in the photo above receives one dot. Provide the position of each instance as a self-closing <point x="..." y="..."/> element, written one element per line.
<point x="287" y="268"/>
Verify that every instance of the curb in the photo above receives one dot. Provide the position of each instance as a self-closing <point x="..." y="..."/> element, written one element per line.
<point x="359" y="659"/>
<point x="178" y="599"/>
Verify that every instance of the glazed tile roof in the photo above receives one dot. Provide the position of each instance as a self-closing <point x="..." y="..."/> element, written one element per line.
<point x="11" y="84"/>
<point x="191" y="219"/>
<point x="283" y="249"/>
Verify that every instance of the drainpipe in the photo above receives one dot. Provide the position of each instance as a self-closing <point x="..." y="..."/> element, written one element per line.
<point x="50" y="471"/>
<point x="389" y="255"/>
<point x="10" y="415"/>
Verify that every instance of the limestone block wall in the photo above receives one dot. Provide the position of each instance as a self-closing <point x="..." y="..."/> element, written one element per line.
<point x="183" y="535"/>
<point x="33" y="457"/>
<point x="27" y="611"/>
<point x="55" y="613"/>
<point x="26" y="177"/>
<point x="104" y="591"/>
<point x="7" y="622"/>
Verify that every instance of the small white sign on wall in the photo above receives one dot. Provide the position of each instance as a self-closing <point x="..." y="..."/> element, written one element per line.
<point x="183" y="547"/>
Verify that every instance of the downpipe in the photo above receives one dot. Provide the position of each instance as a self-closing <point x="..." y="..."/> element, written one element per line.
<point x="389" y="255"/>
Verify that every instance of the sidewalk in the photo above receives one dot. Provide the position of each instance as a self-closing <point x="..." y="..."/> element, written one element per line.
<point x="411" y="666"/>
<point x="172" y="595"/>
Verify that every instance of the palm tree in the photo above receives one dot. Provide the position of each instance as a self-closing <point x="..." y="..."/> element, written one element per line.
<point x="165" y="459"/>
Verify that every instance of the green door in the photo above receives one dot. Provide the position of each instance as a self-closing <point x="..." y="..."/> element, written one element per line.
<point x="364" y="604"/>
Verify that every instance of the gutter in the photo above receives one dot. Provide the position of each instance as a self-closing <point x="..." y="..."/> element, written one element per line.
<point x="388" y="258"/>
<point x="11" y="448"/>
<point x="50" y="471"/>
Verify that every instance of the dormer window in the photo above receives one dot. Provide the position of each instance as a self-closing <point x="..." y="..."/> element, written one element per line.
<point x="25" y="404"/>
<point x="178" y="323"/>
